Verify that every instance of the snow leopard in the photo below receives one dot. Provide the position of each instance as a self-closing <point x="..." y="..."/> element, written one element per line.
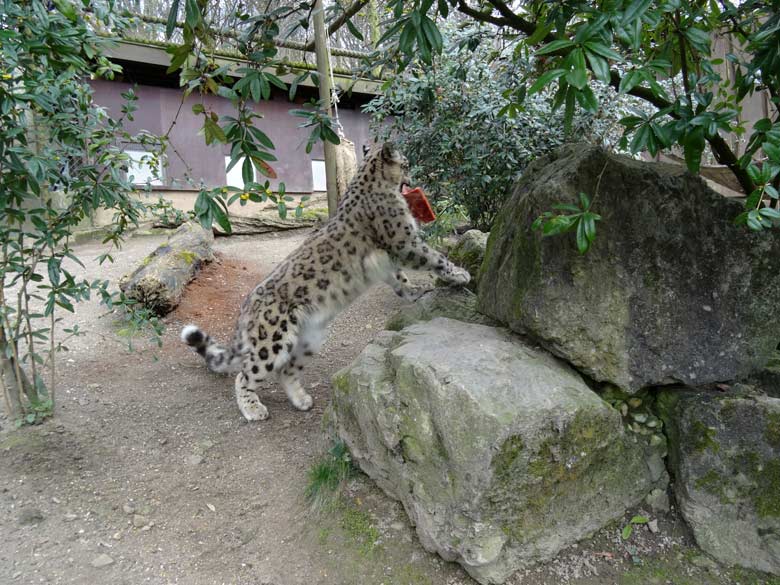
<point x="283" y="320"/>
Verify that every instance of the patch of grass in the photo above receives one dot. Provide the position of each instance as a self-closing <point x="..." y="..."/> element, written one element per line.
<point x="359" y="529"/>
<point x="412" y="575"/>
<point x="326" y="476"/>
<point x="659" y="572"/>
<point x="748" y="577"/>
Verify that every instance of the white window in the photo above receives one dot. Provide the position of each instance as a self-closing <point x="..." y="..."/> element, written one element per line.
<point x="318" y="175"/>
<point x="234" y="177"/>
<point x="139" y="169"/>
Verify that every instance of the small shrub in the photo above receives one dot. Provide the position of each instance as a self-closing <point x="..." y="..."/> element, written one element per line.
<point x="326" y="476"/>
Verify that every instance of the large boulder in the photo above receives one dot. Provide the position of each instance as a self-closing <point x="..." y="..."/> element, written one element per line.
<point x="499" y="452"/>
<point x="724" y="453"/>
<point x="671" y="291"/>
<point x="469" y="253"/>
<point x="450" y="302"/>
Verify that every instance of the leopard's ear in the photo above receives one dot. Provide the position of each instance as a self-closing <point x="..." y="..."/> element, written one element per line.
<point x="391" y="154"/>
<point x="366" y="149"/>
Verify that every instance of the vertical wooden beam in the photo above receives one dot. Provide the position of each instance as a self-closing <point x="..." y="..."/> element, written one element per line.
<point x="323" y="73"/>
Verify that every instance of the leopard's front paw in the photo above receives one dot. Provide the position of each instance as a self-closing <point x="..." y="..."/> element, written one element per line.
<point x="458" y="277"/>
<point x="412" y="293"/>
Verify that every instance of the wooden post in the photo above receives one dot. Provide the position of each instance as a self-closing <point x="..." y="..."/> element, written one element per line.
<point x="323" y="73"/>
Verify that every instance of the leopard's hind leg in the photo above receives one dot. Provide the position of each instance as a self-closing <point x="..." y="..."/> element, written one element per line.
<point x="246" y="396"/>
<point x="271" y="343"/>
<point x="309" y="341"/>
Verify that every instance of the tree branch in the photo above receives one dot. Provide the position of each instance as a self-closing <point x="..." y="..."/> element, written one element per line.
<point x="481" y="16"/>
<point x="348" y="13"/>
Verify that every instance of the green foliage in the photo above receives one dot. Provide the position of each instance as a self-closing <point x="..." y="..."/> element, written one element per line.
<point x="628" y="529"/>
<point x="327" y="475"/>
<point x="467" y="141"/>
<point x="61" y="159"/>
<point x="580" y="220"/>
<point x="249" y="145"/>
<point x="632" y="45"/>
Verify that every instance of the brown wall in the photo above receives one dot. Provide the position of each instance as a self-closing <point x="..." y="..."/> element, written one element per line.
<point x="157" y="108"/>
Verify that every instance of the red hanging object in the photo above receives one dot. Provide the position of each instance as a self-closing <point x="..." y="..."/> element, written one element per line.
<point x="418" y="204"/>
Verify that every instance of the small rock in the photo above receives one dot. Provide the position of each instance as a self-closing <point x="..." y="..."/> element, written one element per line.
<point x="704" y="562"/>
<point x="206" y="444"/>
<point x="102" y="561"/>
<point x="211" y="507"/>
<point x="70" y="517"/>
<point x="56" y="500"/>
<point x="397" y="526"/>
<point x="30" y="516"/>
<point x="658" y="500"/>
<point x="116" y="536"/>
<point x="195" y="459"/>
<point x="140" y="521"/>
<point x="652" y="526"/>
<point x="128" y="508"/>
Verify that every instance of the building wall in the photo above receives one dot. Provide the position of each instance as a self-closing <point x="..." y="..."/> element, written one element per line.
<point x="157" y="110"/>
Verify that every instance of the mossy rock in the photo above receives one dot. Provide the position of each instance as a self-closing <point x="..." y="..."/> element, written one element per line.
<point x="671" y="290"/>
<point x="724" y="452"/>
<point x="453" y="303"/>
<point x="469" y="253"/>
<point x="499" y="452"/>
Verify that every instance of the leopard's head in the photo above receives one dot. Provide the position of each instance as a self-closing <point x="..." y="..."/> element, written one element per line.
<point x="387" y="163"/>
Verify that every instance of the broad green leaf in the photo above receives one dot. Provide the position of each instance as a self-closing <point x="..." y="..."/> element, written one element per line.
<point x="628" y="529"/>
<point x="693" y="145"/>
<point x="247" y="172"/>
<point x="541" y="31"/>
<point x="599" y="66"/>
<point x="406" y="40"/>
<point x="770" y="213"/>
<point x="763" y="125"/>
<point x="772" y="151"/>
<point x="635" y="10"/>
<point x="699" y="39"/>
<point x="587" y="100"/>
<point x="173" y="14"/>
<point x="577" y="77"/>
<point x="432" y="34"/>
<point x="354" y="30"/>
<point x="221" y="217"/>
<point x="640" y="139"/>
<point x="555" y="46"/>
<point x="545" y="79"/>
<point x="603" y="50"/>
<point x="629" y="80"/>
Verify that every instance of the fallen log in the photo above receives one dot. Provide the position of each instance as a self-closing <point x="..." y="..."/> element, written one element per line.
<point x="263" y="224"/>
<point x="158" y="283"/>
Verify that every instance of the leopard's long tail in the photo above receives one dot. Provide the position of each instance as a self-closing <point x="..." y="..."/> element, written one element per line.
<point x="219" y="358"/>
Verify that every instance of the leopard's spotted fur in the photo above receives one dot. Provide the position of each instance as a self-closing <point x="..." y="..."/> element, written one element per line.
<point x="282" y="321"/>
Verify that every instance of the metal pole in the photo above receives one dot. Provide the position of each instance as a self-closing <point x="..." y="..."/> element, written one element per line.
<point x="323" y="73"/>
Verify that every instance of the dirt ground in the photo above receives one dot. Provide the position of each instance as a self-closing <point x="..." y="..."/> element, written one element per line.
<point x="149" y="474"/>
